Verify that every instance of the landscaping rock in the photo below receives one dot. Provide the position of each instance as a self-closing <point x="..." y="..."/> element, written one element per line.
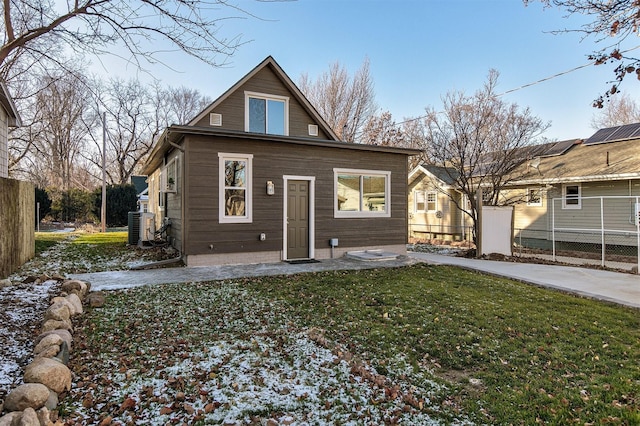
<point x="63" y="354"/>
<point x="5" y="283"/>
<point x="32" y="395"/>
<point x="51" y="373"/>
<point x="75" y="301"/>
<point x="48" y="352"/>
<point x="47" y="341"/>
<point x="52" y="401"/>
<point x="52" y="324"/>
<point x="29" y="418"/>
<point x="30" y="279"/>
<point x="60" y="299"/>
<point x="59" y="311"/>
<point x="96" y="299"/>
<point x="9" y="419"/>
<point x="58" y="277"/>
<point x="44" y="417"/>
<point x="64" y="334"/>
<point x="75" y="286"/>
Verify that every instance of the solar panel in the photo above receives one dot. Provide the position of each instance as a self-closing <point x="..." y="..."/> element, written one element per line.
<point x="558" y="148"/>
<point x="614" y="134"/>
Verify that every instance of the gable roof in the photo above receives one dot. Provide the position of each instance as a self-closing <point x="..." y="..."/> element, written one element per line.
<point x="7" y="103"/>
<point x="279" y="72"/>
<point x="445" y="175"/>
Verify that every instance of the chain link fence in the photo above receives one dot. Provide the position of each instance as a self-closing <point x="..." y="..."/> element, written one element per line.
<point x="600" y="228"/>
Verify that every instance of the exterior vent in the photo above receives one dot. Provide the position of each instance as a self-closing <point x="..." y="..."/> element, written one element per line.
<point x="313" y="130"/>
<point x="215" y="119"/>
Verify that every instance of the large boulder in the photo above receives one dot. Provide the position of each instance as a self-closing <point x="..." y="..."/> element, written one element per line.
<point x="59" y="311"/>
<point x="52" y="324"/>
<point x="96" y="299"/>
<point x="75" y="286"/>
<point x="47" y="341"/>
<point x="50" y="372"/>
<point x="32" y="395"/>
<point x="60" y="299"/>
<point x="29" y="418"/>
<point x="75" y="301"/>
<point x="11" y="418"/>
<point x="64" y="334"/>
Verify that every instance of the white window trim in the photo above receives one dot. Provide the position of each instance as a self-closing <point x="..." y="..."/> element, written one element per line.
<point x="248" y="204"/>
<point x="536" y="203"/>
<point x="265" y="96"/>
<point x="165" y="173"/>
<point x="312" y="214"/>
<point x="564" y="197"/>
<point x="426" y="201"/>
<point x="415" y="201"/>
<point x="362" y="213"/>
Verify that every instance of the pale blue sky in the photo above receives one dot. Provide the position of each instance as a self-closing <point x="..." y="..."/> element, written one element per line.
<point x="418" y="51"/>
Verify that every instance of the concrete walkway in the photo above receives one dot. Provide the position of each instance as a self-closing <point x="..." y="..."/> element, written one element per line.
<point x="614" y="287"/>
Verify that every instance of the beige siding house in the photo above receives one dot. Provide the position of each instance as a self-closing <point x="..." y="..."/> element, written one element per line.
<point x="258" y="176"/>
<point x="574" y="184"/>
<point x="433" y="206"/>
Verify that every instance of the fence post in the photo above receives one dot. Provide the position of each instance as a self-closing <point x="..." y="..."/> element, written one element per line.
<point x="637" y="218"/>
<point x="602" y="230"/>
<point x="553" y="227"/>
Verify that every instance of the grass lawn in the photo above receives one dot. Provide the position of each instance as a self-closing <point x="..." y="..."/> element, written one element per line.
<point x="417" y="345"/>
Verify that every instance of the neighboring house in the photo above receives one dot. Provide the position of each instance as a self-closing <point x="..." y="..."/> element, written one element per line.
<point x="259" y="176"/>
<point x="568" y="184"/>
<point x="433" y="213"/>
<point x="579" y="185"/>
<point x="142" y="192"/>
<point x="8" y="118"/>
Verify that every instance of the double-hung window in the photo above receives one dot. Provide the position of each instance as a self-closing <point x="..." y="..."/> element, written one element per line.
<point x="426" y="201"/>
<point x="235" y="188"/>
<point x="362" y="193"/>
<point x="534" y="197"/>
<point x="571" y="194"/>
<point x="267" y="114"/>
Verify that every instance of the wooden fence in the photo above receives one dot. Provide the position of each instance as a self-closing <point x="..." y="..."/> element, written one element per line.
<point x="17" y="222"/>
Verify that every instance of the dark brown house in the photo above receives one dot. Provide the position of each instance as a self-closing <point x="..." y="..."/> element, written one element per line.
<point x="259" y="176"/>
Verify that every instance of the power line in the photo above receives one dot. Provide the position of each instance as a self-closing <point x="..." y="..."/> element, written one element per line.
<point x="524" y="86"/>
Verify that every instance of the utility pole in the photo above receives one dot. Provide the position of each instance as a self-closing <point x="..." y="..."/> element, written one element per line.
<point x="103" y="209"/>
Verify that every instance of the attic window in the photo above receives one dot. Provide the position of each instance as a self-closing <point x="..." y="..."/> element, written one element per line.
<point x="267" y="114"/>
<point x="313" y="130"/>
<point x="215" y="119"/>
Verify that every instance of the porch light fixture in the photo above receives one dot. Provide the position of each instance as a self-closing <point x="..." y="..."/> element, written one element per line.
<point x="271" y="188"/>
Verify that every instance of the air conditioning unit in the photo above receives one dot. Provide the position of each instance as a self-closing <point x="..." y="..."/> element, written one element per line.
<point x="147" y="227"/>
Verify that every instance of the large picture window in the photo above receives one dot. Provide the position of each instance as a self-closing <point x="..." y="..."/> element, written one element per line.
<point x="266" y="114"/>
<point x="235" y="188"/>
<point x="362" y="193"/>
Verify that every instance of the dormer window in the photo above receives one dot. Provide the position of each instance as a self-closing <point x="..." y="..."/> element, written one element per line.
<point x="266" y="114"/>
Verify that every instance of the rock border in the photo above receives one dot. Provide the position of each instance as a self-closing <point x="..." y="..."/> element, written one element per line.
<point x="34" y="402"/>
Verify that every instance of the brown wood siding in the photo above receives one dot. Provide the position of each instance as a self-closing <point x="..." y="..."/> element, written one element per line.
<point x="173" y="208"/>
<point x="272" y="160"/>
<point x="266" y="82"/>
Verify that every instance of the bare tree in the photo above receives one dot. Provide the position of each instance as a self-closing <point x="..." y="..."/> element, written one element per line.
<point x="479" y="141"/>
<point x="141" y="27"/>
<point x="136" y="114"/>
<point x="57" y="132"/>
<point x="345" y="102"/>
<point x="610" y="21"/>
<point x="620" y="110"/>
<point x="382" y="130"/>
